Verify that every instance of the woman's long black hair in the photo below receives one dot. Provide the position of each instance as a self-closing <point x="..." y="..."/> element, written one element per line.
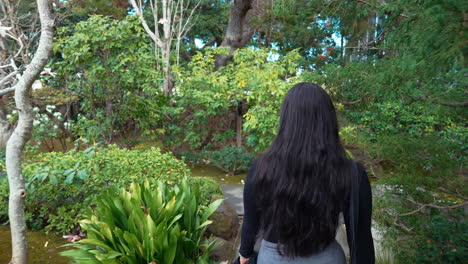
<point x="303" y="178"/>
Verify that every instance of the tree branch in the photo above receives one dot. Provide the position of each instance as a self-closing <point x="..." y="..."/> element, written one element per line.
<point x="7" y="78"/>
<point x="437" y="101"/>
<point x="139" y="12"/>
<point x="422" y="206"/>
<point x="462" y="104"/>
<point x="7" y="91"/>
<point x="350" y="102"/>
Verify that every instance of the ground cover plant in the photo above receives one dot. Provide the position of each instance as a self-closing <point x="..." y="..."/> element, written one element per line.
<point x="63" y="185"/>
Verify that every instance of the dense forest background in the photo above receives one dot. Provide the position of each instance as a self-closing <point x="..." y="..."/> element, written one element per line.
<point x="210" y="89"/>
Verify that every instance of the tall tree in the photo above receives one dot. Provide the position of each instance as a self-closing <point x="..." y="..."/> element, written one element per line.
<point x="175" y="20"/>
<point x="238" y="31"/>
<point x="22" y="132"/>
<point x="18" y="28"/>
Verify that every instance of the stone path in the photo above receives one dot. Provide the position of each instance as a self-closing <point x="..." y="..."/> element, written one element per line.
<point x="234" y="197"/>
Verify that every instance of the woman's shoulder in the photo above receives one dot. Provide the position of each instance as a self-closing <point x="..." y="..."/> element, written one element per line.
<point x="251" y="171"/>
<point x="360" y="169"/>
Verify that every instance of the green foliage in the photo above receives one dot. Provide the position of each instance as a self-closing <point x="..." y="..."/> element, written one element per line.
<point x="4" y="194"/>
<point x="111" y="68"/>
<point x="430" y="235"/>
<point x="445" y="241"/>
<point x="206" y="99"/>
<point x="62" y="185"/>
<point x="146" y="225"/>
<point x="210" y="20"/>
<point x="192" y="158"/>
<point x="231" y="159"/>
<point x="114" y="8"/>
<point x="3" y="189"/>
<point x="207" y="188"/>
<point x="2" y="162"/>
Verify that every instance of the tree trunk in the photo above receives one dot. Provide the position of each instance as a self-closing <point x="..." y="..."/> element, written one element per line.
<point x="239" y="125"/>
<point x="22" y="133"/>
<point x="238" y="32"/>
<point x="168" y="80"/>
<point x="239" y="131"/>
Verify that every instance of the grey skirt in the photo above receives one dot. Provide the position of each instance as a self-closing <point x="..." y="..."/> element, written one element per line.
<point x="333" y="254"/>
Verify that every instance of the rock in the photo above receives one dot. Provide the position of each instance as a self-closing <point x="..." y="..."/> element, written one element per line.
<point x="225" y="222"/>
<point x="224" y="251"/>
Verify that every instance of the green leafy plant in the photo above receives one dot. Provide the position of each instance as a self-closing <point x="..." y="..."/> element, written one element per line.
<point x="110" y="67"/>
<point x="445" y="241"/>
<point x="61" y="185"/>
<point x="231" y="159"/>
<point x="146" y="225"/>
<point x="207" y="100"/>
<point x="2" y="163"/>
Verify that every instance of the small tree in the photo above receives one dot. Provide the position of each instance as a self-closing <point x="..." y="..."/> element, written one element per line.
<point x="176" y="22"/>
<point x="22" y="132"/>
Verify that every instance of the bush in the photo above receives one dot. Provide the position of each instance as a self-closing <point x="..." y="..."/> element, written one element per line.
<point x="145" y="225"/>
<point x="192" y="157"/>
<point x="2" y="163"/>
<point x="445" y="241"/>
<point x="207" y="188"/>
<point x="61" y="185"/>
<point x="232" y="160"/>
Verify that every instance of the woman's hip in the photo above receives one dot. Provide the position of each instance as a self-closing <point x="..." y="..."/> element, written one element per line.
<point x="333" y="254"/>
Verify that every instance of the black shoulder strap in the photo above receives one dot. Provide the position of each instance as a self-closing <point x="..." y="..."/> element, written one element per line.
<point x="354" y="212"/>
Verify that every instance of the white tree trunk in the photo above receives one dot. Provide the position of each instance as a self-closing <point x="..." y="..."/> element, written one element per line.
<point x="22" y="133"/>
<point x="174" y="26"/>
<point x="167" y="83"/>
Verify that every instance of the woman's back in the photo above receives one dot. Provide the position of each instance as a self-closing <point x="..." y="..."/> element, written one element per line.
<point x="295" y="191"/>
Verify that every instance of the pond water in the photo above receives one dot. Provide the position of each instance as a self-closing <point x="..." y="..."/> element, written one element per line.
<point x="217" y="175"/>
<point x="43" y="249"/>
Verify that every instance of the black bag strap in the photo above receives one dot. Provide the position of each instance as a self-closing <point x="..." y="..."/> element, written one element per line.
<point x="354" y="211"/>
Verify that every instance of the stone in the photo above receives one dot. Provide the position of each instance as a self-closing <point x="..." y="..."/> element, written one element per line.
<point x="225" y="222"/>
<point x="223" y="251"/>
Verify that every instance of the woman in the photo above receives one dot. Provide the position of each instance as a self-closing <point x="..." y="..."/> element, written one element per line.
<point x="295" y="191"/>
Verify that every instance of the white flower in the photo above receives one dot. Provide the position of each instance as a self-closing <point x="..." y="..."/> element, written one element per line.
<point x="36" y="122"/>
<point x="8" y="116"/>
<point x="47" y="71"/>
<point x="37" y="84"/>
<point x="162" y="21"/>
<point x="50" y="107"/>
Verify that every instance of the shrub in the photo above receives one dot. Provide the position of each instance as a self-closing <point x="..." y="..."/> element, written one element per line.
<point x="3" y="189"/>
<point x="3" y="199"/>
<point x="61" y="185"/>
<point x="445" y="241"/>
<point x="232" y="160"/>
<point x="2" y="163"/>
<point x="192" y="157"/>
<point x="145" y="225"/>
<point x="207" y="188"/>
